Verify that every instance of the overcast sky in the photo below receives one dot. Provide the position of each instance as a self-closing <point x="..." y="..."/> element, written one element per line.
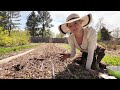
<point x="111" y="18"/>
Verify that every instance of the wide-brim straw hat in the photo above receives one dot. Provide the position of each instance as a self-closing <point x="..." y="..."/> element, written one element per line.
<point x="86" y="20"/>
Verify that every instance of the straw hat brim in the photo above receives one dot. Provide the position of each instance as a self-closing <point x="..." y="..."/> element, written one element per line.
<point x="86" y="21"/>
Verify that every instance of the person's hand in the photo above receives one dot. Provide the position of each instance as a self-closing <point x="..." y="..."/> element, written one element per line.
<point x="64" y="56"/>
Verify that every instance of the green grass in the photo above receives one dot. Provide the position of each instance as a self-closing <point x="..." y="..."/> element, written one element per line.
<point x="111" y="60"/>
<point x="67" y="47"/>
<point x="6" y="50"/>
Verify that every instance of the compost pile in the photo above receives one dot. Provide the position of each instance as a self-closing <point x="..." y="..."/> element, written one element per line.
<point x="44" y="63"/>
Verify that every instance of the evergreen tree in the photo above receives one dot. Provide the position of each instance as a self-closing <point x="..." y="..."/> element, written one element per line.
<point x="105" y="35"/>
<point x="45" y="19"/>
<point x="3" y="19"/>
<point x="32" y="23"/>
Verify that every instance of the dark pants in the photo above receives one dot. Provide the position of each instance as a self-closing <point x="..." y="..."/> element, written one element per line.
<point x="98" y="55"/>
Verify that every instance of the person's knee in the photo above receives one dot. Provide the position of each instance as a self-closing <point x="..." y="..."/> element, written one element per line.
<point x="102" y="54"/>
<point x="84" y="54"/>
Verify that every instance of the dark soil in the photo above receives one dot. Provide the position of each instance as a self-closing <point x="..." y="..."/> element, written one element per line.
<point x="44" y="63"/>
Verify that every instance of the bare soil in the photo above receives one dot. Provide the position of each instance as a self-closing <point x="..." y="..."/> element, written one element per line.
<point x="113" y="52"/>
<point x="45" y="63"/>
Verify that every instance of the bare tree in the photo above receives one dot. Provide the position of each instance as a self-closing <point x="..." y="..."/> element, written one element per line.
<point x="100" y="24"/>
<point x="13" y="18"/>
<point x="116" y="32"/>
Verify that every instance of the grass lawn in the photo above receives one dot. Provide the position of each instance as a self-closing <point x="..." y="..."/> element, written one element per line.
<point x="112" y="60"/>
<point x="6" y="50"/>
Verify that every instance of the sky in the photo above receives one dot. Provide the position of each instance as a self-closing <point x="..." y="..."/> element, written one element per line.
<point x="110" y="18"/>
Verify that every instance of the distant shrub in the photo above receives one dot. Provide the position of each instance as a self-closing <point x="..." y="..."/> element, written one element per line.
<point x="109" y="45"/>
<point x="17" y="38"/>
<point x="98" y="36"/>
<point x="102" y="44"/>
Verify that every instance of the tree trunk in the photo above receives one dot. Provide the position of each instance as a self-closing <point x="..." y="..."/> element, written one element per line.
<point x="9" y="32"/>
<point x="43" y="30"/>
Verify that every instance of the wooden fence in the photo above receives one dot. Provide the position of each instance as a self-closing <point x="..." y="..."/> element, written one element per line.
<point x="48" y="40"/>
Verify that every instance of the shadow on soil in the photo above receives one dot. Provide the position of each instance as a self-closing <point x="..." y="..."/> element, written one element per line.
<point x="75" y="71"/>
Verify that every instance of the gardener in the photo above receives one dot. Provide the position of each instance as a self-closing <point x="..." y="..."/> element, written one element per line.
<point x="85" y="39"/>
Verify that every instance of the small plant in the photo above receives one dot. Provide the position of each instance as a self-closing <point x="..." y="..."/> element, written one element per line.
<point x="111" y="60"/>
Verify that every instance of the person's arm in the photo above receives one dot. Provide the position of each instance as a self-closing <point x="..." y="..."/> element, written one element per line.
<point x="72" y="46"/>
<point x="92" y="42"/>
<point x="72" y="51"/>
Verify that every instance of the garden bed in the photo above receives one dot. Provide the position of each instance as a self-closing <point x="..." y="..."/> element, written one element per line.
<point x="44" y="63"/>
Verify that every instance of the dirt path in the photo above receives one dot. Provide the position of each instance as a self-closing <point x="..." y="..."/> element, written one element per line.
<point x="44" y="63"/>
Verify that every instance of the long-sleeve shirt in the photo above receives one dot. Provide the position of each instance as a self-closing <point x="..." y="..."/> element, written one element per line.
<point x="88" y="45"/>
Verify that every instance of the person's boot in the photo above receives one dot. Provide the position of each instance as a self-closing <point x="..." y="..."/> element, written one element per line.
<point x="95" y="64"/>
<point x="102" y="66"/>
<point x="100" y="56"/>
<point x="83" y="59"/>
